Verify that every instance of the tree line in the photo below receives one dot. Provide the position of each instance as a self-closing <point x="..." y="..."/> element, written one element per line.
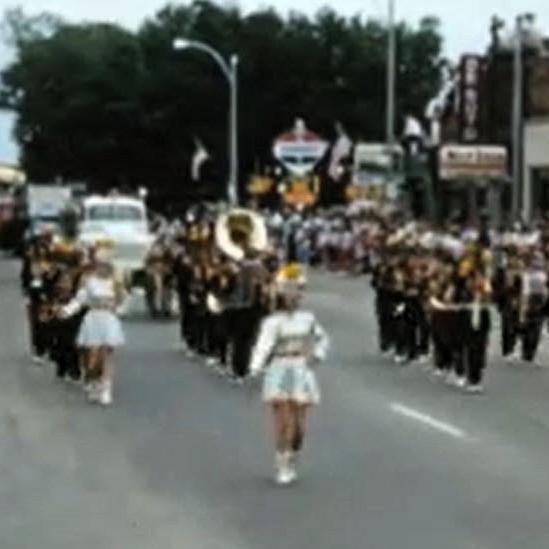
<point x="100" y="103"/>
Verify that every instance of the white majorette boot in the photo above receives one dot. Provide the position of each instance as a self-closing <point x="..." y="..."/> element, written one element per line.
<point x="292" y="466"/>
<point x="283" y="473"/>
<point x="105" y="394"/>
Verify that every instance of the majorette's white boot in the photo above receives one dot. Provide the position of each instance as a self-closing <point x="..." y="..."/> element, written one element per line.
<point x="283" y="473"/>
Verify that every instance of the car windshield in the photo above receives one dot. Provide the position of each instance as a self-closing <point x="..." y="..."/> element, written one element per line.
<point x="114" y="212"/>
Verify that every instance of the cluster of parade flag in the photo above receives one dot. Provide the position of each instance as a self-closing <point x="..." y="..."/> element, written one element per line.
<point x="340" y="150"/>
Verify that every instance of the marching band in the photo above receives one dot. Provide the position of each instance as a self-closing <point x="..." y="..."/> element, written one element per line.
<point x="235" y="283"/>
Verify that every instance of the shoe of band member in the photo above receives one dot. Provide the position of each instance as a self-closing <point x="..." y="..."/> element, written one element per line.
<point x="181" y="346"/>
<point x="513" y="357"/>
<point x="453" y="379"/>
<point x="236" y="380"/>
<point x="39" y="360"/>
<point x="400" y="359"/>
<point x="461" y="382"/>
<point x="93" y="390"/>
<point x="476" y="388"/>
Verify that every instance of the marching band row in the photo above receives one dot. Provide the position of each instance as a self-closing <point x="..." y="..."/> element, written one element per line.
<point x="238" y="299"/>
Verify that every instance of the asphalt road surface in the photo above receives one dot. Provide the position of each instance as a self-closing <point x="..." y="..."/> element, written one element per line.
<point x="394" y="459"/>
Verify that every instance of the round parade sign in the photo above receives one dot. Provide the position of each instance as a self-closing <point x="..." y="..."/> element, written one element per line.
<point x="299" y="150"/>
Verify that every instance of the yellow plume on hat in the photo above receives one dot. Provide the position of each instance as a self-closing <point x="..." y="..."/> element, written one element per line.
<point x="290" y="277"/>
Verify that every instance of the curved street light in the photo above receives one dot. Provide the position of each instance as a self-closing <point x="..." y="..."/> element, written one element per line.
<point x="229" y="70"/>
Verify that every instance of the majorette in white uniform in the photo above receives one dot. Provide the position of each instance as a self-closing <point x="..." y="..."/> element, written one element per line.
<point x="289" y="344"/>
<point x="101" y="330"/>
<point x="100" y="327"/>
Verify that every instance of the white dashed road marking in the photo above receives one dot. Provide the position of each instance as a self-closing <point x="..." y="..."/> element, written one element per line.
<point x="428" y="420"/>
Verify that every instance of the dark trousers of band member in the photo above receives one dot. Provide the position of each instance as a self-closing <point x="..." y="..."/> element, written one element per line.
<point x="386" y="321"/>
<point x="443" y="324"/>
<point x="476" y="356"/>
<point x="509" y="330"/>
<point x="39" y="335"/>
<point x="531" y="329"/>
<point x="412" y="330"/>
<point x="64" y="351"/>
<point x="242" y="329"/>
<point x="218" y="336"/>
<point x="183" y="304"/>
<point x="191" y="328"/>
<point x="471" y="358"/>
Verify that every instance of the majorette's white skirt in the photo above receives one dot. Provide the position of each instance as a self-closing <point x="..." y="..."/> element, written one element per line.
<point x="290" y="380"/>
<point x="100" y="328"/>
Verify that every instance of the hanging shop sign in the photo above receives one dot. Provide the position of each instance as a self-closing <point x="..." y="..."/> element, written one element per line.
<point x="471" y="74"/>
<point x="470" y="161"/>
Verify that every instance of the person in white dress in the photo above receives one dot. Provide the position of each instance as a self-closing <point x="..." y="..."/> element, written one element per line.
<point x="290" y="343"/>
<point x="102" y="293"/>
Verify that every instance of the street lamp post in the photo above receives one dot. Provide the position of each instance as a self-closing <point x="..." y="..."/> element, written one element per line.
<point x="518" y="115"/>
<point x="391" y="76"/>
<point x="230" y="71"/>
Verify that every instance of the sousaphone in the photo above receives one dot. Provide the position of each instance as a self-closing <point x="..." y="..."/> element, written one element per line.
<point x="240" y="230"/>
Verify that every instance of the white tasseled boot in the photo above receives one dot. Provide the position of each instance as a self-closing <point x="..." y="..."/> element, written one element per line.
<point x="283" y="473"/>
<point x="293" y="459"/>
<point x="105" y="395"/>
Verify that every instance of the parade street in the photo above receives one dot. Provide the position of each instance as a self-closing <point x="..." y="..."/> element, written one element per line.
<point x="394" y="458"/>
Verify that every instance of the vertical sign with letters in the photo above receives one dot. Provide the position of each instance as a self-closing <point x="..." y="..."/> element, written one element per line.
<point x="470" y="112"/>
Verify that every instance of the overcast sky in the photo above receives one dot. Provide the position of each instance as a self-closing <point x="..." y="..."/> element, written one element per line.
<point x="464" y="22"/>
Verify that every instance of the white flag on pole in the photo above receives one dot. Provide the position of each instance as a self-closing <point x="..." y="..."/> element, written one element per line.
<point x="199" y="157"/>
<point x="340" y="150"/>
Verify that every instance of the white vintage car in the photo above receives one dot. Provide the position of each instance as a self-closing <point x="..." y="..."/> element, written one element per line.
<point x="123" y="220"/>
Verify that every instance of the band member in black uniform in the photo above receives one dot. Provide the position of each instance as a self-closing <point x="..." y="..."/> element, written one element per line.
<point x="443" y="320"/>
<point x="37" y="279"/>
<point x="533" y="301"/>
<point x="480" y="290"/>
<point x="219" y="287"/>
<point x="244" y="311"/>
<point x="507" y="287"/>
<point x="182" y="267"/>
<point x="382" y="282"/>
<point x="65" y="329"/>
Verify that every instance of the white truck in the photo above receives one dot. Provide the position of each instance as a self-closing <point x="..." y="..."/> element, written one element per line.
<point x="44" y="204"/>
<point x="122" y="220"/>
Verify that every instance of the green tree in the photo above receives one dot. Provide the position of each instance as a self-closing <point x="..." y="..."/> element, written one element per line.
<point x="100" y="103"/>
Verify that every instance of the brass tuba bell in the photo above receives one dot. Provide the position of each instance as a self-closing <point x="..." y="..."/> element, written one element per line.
<point x="239" y="230"/>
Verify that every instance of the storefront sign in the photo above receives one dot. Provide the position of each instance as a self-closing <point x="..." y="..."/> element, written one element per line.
<point x="469" y="162"/>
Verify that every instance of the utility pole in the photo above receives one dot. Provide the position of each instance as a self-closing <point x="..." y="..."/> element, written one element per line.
<point x="391" y="76"/>
<point x="518" y="115"/>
